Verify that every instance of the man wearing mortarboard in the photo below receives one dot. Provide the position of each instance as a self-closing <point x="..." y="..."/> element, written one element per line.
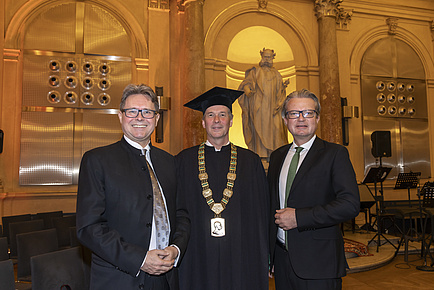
<point x="223" y="184"/>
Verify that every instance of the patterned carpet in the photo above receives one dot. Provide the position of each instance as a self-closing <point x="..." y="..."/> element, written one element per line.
<point x="355" y="247"/>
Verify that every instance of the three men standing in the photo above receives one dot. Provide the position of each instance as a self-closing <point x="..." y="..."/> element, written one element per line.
<point x="129" y="215"/>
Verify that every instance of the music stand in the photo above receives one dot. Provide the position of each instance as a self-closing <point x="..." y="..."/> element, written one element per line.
<point x="374" y="175"/>
<point x="428" y="202"/>
<point x="407" y="181"/>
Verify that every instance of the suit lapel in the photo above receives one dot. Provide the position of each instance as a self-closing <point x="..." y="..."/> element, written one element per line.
<point x="308" y="162"/>
<point x="278" y="167"/>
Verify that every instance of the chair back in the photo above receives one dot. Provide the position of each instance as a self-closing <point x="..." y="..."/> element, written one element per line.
<point x="62" y="225"/>
<point x="63" y="269"/>
<point x="20" y="228"/>
<point x="32" y="244"/>
<point x="7" y="280"/>
<point x="4" y="249"/>
<point x="6" y="220"/>
<point x="48" y="217"/>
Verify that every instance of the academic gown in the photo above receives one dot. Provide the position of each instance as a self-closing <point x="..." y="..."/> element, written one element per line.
<point x="239" y="260"/>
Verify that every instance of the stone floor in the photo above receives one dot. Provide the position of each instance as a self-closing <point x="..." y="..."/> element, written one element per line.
<point x="385" y="269"/>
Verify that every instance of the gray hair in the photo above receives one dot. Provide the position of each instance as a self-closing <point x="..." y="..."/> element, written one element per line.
<point x="303" y="93"/>
<point x="141" y="89"/>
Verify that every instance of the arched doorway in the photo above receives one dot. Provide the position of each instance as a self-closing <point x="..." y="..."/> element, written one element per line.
<point x="394" y="99"/>
<point x="243" y="53"/>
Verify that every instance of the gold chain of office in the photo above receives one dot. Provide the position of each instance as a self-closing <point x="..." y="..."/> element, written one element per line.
<point x="217" y="208"/>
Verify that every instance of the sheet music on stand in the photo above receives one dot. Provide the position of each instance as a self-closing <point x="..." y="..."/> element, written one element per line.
<point x="376" y="174"/>
<point x="428" y="195"/>
<point x="407" y="181"/>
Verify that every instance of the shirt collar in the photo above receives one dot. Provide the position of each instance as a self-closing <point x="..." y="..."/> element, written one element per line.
<point x="207" y="143"/>
<point x="137" y="145"/>
<point x="306" y="146"/>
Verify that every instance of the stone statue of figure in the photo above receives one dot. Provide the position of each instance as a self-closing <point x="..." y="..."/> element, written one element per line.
<point x="261" y="103"/>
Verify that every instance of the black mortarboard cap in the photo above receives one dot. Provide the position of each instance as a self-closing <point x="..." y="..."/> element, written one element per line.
<point x="215" y="96"/>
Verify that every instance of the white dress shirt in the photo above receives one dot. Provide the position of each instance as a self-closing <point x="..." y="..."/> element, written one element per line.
<point x="284" y="176"/>
<point x="153" y="242"/>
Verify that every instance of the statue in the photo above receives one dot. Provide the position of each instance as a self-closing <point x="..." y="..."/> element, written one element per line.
<point x="261" y="104"/>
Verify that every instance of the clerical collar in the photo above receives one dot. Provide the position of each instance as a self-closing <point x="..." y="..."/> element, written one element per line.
<point x="207" y="143"/>
<point x="306" y="145"/>
<point x="137" y="145"/>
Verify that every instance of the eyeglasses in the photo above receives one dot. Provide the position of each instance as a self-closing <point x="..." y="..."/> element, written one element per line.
<point x="296" y="114"/>
<point x="146" y="113"/>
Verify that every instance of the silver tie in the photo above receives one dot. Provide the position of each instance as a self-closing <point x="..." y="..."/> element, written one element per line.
<point x="160" y="214"/>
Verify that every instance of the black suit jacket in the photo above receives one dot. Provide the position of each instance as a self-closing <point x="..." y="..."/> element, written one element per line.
<point x="324" y="194"/>
<point x="114" y="212"/>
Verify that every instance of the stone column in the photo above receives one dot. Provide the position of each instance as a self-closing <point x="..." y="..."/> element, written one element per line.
<point x="194" y="71"/>
<point x="331" y="112"/>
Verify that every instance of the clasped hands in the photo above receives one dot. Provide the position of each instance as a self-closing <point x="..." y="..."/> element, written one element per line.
<point x="158" y="262"/>
<point x="285" y="218"/>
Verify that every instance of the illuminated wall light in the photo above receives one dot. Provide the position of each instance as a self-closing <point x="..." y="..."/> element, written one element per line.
<point x="70" y="82"/>
<point x="71" y="66"/>
<point x="54" y="65"/>
<point x="70" y="98"/>
<point x="87" y="98"/>
<point x="88" y="67"/>
<point x="104" y="69"/>
<point x="104" y="99"/>
<point x="54" y="81"/>
<point x="53" y="97"/>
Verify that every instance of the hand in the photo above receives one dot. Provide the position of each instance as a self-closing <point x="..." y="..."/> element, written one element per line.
<point x="173" y="253"/>
<point x="271" y="272"/>
<point x="248" y="92"/>
<point x="285" y="218"/>
<point x="158" y="262"/>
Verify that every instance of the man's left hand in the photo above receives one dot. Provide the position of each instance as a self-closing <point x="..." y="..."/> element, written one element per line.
<point x="285" y="218"/>
<point x="173" y="253"/>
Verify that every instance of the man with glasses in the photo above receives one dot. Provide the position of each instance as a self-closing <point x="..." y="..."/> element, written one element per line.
<point x="226" y="191"/>
<point x="313" y="189"/>
<point x="127" y="213"/>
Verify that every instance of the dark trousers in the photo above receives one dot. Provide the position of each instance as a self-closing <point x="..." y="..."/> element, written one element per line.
<point x="286" y="279"/>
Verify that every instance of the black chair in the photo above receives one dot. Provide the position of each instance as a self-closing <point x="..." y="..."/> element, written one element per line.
<point x="4" y="249"/>
<point x="62" y="225"/>
<point x="32" y="244"/>
<point x="7" y="280"/>
<point x="64" y="268"/>
<point x="6" y="220"/>
<point x="48" y="217"/>
<point x="20" y="228"/>
<point x="73" y="237"/>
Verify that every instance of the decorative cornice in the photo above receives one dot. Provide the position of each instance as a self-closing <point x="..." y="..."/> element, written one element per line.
<point x="262" y="5"/>
<point x="432" y="30"/>
<point x="392" y="22"/>
<point x="343" y="18"/>
<point x="181" y="5"/>
<point x="327" y="8"/>
<point x="159" y="4"/>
